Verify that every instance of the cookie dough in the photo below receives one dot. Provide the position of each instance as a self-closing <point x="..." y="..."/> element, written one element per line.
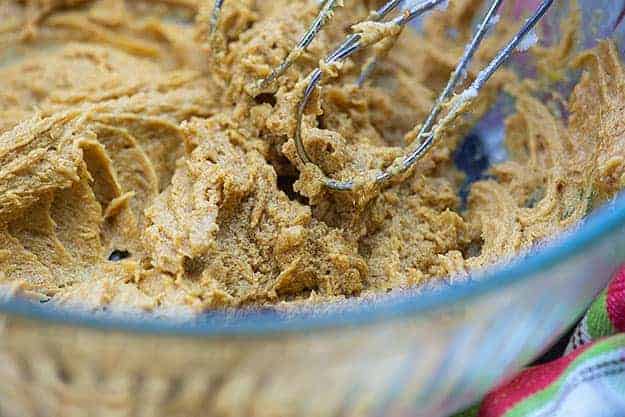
<point x="138" y="172"/>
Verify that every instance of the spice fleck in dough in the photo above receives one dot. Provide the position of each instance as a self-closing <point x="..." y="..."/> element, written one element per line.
<point x="138" y="172"/>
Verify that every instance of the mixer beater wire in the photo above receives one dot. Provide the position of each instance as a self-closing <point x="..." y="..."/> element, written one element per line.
<point x="388" y="31"/>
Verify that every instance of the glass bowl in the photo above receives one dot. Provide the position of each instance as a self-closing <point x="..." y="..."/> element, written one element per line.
<point x="417" y="353"/>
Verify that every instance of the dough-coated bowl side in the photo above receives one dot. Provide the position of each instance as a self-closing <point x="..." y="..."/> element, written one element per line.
<point x="423" y="354"/>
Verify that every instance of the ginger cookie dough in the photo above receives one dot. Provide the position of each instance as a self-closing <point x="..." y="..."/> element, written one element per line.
<point x="137" y="171"/>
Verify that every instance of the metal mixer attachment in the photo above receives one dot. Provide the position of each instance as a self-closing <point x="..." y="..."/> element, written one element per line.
<point x="388" y="31"/>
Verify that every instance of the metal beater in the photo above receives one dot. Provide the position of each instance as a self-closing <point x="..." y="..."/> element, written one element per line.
<point x="389" y="30"/>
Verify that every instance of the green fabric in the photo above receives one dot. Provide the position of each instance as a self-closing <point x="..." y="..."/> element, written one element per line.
<point x="598" y="322"/>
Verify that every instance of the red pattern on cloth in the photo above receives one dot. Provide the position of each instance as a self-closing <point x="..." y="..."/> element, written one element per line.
<point x="528" y="382"/>
<point x="615" y="301"/>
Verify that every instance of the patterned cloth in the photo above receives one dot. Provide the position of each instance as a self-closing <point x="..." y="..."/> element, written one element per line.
<point x="589" y="381"/>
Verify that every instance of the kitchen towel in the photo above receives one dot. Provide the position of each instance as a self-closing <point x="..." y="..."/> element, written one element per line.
<point x="588" y="381"/>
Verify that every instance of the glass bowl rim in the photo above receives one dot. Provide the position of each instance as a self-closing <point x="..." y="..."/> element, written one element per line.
<point x="256" y="323"/>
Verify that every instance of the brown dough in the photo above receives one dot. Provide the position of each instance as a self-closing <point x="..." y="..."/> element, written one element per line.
<point x="125" y="127"/>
